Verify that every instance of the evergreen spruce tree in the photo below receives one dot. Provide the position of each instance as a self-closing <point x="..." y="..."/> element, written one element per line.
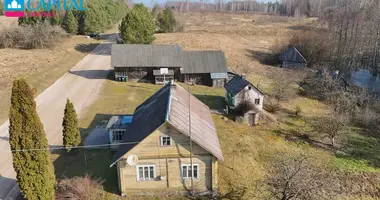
<point x="70" y="23"/>
<point x="35" y="173"/>
<point x="138" y="26"/>
<point x="166" y="21"/>
<point x="56" y="20"/>
<point x="71" y="134"/>
<point x="1" y="8"/>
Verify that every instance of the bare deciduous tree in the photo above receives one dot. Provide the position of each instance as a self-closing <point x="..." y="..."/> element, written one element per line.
<point x="332" y="126"/>
<point x="293" y="177"/>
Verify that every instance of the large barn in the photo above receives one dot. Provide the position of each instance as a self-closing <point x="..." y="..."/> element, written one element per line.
<point x="161" y="63"/>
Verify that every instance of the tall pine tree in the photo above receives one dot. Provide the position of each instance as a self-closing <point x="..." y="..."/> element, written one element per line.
<point x="69" y="22"/>
<point x="138" y="26"/>
<point x="35" y="173"/>
<point x="71" y="134"/>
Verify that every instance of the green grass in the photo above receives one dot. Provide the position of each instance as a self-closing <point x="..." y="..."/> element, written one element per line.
<point x="247" y="150"/>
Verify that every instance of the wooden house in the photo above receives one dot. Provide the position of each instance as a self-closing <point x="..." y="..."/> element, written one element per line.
<point x="161" y="63"/>
<point x="168" y="153"/>
<point x="292" y="58"/>
<point x="117" y="127"/>
<point x="238" y="89"/>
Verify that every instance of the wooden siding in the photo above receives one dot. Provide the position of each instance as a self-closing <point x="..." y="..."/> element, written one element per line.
<point x="167" y="161"/>
<point x="293" y="65"/>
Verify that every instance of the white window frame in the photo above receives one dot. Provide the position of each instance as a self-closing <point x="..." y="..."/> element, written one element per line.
<point x="144" y="178"/>
<point x="162" y="141"/>
<point x="188" y="165"/>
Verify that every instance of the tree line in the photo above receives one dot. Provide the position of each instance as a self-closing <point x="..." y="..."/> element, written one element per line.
<point x="98" y="16"/>
<point x="29" y="145"/>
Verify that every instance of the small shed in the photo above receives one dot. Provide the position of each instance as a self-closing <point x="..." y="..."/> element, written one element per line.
<point x="292" y="58"/>
<point x="204" y="68"/>
<point x="239" y="89"/>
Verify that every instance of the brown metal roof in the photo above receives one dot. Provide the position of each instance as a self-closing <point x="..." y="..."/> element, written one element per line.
<point x="203" y="130"/>
<point x="171" y="104"/>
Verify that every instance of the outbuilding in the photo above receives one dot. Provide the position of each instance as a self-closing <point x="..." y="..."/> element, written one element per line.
<point x="292" y="58"/>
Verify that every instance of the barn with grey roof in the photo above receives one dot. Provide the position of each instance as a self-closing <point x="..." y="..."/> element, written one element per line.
<point x="162" y="63"/>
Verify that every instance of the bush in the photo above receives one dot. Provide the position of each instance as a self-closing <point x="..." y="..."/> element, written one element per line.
<point x="83" y="188"/>
<point x="272" y="106"/>
<point x="31" y="36"/>
<point x="297" y="110"/>
<point x="138" y="26"/>
<point x="244" y="107"/>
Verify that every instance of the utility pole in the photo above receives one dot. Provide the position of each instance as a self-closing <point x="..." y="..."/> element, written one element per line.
<point x="191" y="145"/>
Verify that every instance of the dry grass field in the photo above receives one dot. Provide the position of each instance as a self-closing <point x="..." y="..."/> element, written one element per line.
<point x="40" y="67"/>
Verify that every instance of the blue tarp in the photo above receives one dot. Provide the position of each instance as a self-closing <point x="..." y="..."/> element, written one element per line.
<point x="127" y="119"/>
<point x="219" y="75"/>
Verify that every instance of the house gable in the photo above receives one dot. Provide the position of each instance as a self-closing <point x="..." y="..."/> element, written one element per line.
<point x="151" y="147"/>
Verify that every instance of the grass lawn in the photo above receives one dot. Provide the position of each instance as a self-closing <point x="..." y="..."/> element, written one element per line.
<point x="247" y="150"/>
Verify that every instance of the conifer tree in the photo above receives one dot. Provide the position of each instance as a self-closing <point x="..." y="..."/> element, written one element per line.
<point x="56" y="19"/>
<point x="138" y="26"/>
<point x="35" y="173"/>
<point x="166" y="21"/>
<point x="71" y="134"/>
<point x="69" y="23"/>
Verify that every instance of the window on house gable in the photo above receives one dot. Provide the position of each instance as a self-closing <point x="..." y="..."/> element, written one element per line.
<point x="165" y="141"/>
<point x="257" y="101"/>
<point x="117" y="135"/>
<point x="190" y="172"/>
<point x="146" y="172"/>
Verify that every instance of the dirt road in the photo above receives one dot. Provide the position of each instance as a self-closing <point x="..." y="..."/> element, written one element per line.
<point x="81" y="85"/>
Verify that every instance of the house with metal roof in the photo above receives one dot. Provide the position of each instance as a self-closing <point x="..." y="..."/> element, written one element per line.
<point x="292" y="58"/>
<point x="239" y="90"/>
<point x="162" y="63"/>
<point x="171" y="143"/>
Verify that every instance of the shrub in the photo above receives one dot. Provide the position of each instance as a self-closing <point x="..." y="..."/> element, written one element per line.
<point x="297" y="110"/>
<point x="272" y="106"/>
<point x="138" y="26"/>
<point x="244" y="107"/>
<point x="83" y="188"/>
<point x="31" y="36"/>
<point x="1" y="8"/>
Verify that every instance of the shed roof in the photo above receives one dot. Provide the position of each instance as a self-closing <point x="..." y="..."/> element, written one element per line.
<point x="171" y="104"/>
<point x="292" y="55"/>
<point x="236" y="84"/>
<point x="198" y="62"/>
<point x="144" y="55"/>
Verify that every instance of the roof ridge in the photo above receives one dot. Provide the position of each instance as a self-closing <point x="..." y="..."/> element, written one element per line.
<point x="169" y="102"/>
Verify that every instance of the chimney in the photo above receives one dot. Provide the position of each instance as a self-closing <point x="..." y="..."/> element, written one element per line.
<point x="243" y="76"/>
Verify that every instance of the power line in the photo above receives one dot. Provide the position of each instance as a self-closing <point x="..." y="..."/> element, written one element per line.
<point x="76" y="147"/>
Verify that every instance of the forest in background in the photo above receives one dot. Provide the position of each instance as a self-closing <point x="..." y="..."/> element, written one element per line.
<point x="347" y="35"/>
